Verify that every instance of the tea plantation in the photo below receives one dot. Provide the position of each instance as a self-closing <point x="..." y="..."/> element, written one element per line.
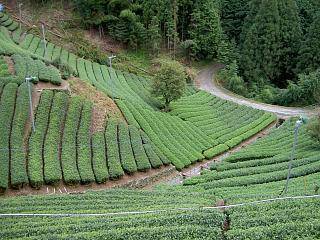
<point x="240" y="197"/>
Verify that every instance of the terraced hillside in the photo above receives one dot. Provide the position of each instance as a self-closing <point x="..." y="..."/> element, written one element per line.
<point x="63" y="148"/>
<point x="170" y="212"/>
<point x="265" y="161"/>
<point x="239" y="198"/>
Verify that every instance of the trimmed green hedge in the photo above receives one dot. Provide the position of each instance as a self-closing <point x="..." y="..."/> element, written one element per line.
<point x="18" y="153"/>
<point x="52" y="144"/>
<point x="215" y="151"/>
<point x="84" y="146"/>
<point x="126" y="153"/>
<point x="37" y="138"/>
<point x="99" y="161"/>
<point x="69" y="142"/>
<point x="138" y="150"/>
<point x="113" y="157"/>
<point x="7" y="105"/>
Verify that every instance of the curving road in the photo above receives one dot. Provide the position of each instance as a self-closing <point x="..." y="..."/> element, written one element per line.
<point x="205" y="81"/>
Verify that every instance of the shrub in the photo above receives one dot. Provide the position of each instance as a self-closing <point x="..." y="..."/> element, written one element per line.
<point x="99" y="161"/>
<point x="314" y="128"/>
<point x="230" y="78"/>
<point x="52" y="143"/>
<point x="126" y="153"/>
<point x="69" y="142"/>
<point x="7" y="104"/>
<point x="36" y="141"/>
<point x="84" y="146"/>
<point x="113" y="158"/>
<point x="18" y="154"/>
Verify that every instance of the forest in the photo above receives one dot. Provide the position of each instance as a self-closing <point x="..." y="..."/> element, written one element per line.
<point x="270" y="48"/>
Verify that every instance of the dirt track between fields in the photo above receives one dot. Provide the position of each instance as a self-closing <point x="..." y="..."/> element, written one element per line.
<point x="206" y="81"/>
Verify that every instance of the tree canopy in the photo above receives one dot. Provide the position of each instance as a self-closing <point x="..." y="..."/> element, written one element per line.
<point x="169" y="82"/>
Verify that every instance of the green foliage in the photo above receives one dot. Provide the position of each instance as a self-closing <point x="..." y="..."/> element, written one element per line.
<point x="113" y="157"/>
<point x="206" y="31"/>
<point x="309" y="55"/>
<point x="69" y="142"/>
<point x="233" y="13"/>
<point x="18" y="154"/>
<point x="169" y="82"/>
<point x="65" y="70"/>
<point x="307" y="11"/>
<point x="37" y="138"/>
<point x="230" y="78"/>
<point x="314" y="128"/>
<point x="210" y="153"/>
<point x="271" y="40"/>
<point x="126" y="153"/>
<point x="154" y="35"/>
<point x="305" y="91"/>
<point x="26" y="66"/>
<point x="52" y="144"/>
<point x="84" y="146"/>
<point x="99" y="161"/>
<point x="7" y="105"/>
<point x="138" y="150"/>
<point x="261" y="43"/>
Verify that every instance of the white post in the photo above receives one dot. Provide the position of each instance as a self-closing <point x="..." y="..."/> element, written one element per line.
<point x="299" y="123"/>
<point x="110" y="65"/>
<point x="44" y="40"/>
<point x="20" y="16"/>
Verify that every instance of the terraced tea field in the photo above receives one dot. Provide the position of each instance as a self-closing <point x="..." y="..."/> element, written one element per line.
<point x="239" y="198"/>
<point x="64" y="148"/>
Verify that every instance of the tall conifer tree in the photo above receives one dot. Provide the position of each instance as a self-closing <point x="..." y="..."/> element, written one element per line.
<point x="309" y="57"/>
<point x="260" y="50"/>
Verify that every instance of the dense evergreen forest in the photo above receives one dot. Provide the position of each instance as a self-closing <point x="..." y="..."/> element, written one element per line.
<point x="270" y="48"/>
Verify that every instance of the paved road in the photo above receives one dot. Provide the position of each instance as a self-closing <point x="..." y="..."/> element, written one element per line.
<point x="206" y="83"/>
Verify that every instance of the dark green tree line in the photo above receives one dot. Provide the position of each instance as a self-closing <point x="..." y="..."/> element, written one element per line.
<point x="156" y="24"/>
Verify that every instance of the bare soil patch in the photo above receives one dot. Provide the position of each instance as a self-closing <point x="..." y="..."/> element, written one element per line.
<point x="49" y="86"/>
<point x="10" y="65"/>
<point x="104" y="106"/>
<point x="137" y="180"/>
<point x="105" y="42"/>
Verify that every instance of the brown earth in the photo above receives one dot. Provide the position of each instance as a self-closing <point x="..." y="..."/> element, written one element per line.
<point x="105" y="42"/>
<point x="137" y="180"/>
<point x="104" y="106"/>
<point x="10" y="65"/>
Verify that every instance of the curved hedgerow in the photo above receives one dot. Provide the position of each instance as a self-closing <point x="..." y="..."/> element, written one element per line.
<point x="83" y="145"/>
<point x="113" y="157"/>
<point x="36" y="141"/>
<point x="126" y="153"/>
<point x="7" y="104"/>
<point x="69" y="142"/>
<point x="52" y="143"/>
<point x="26" y="66"/>
<point x="138" y="150"/>
<point x="18" y="153"/>
<point x="154" y="159"/>
<point x="99" y="161"/>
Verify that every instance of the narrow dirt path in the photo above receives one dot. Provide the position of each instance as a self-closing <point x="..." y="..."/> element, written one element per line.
<point x="206" y="82"/>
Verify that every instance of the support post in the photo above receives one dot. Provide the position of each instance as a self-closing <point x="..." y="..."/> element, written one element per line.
<point x="20" y="16"/>
<point x="44" y="39"/>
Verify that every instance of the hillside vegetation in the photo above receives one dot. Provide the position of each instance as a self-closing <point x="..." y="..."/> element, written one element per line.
<point x="241" y="197"/>
<point x="77" y="155"/>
